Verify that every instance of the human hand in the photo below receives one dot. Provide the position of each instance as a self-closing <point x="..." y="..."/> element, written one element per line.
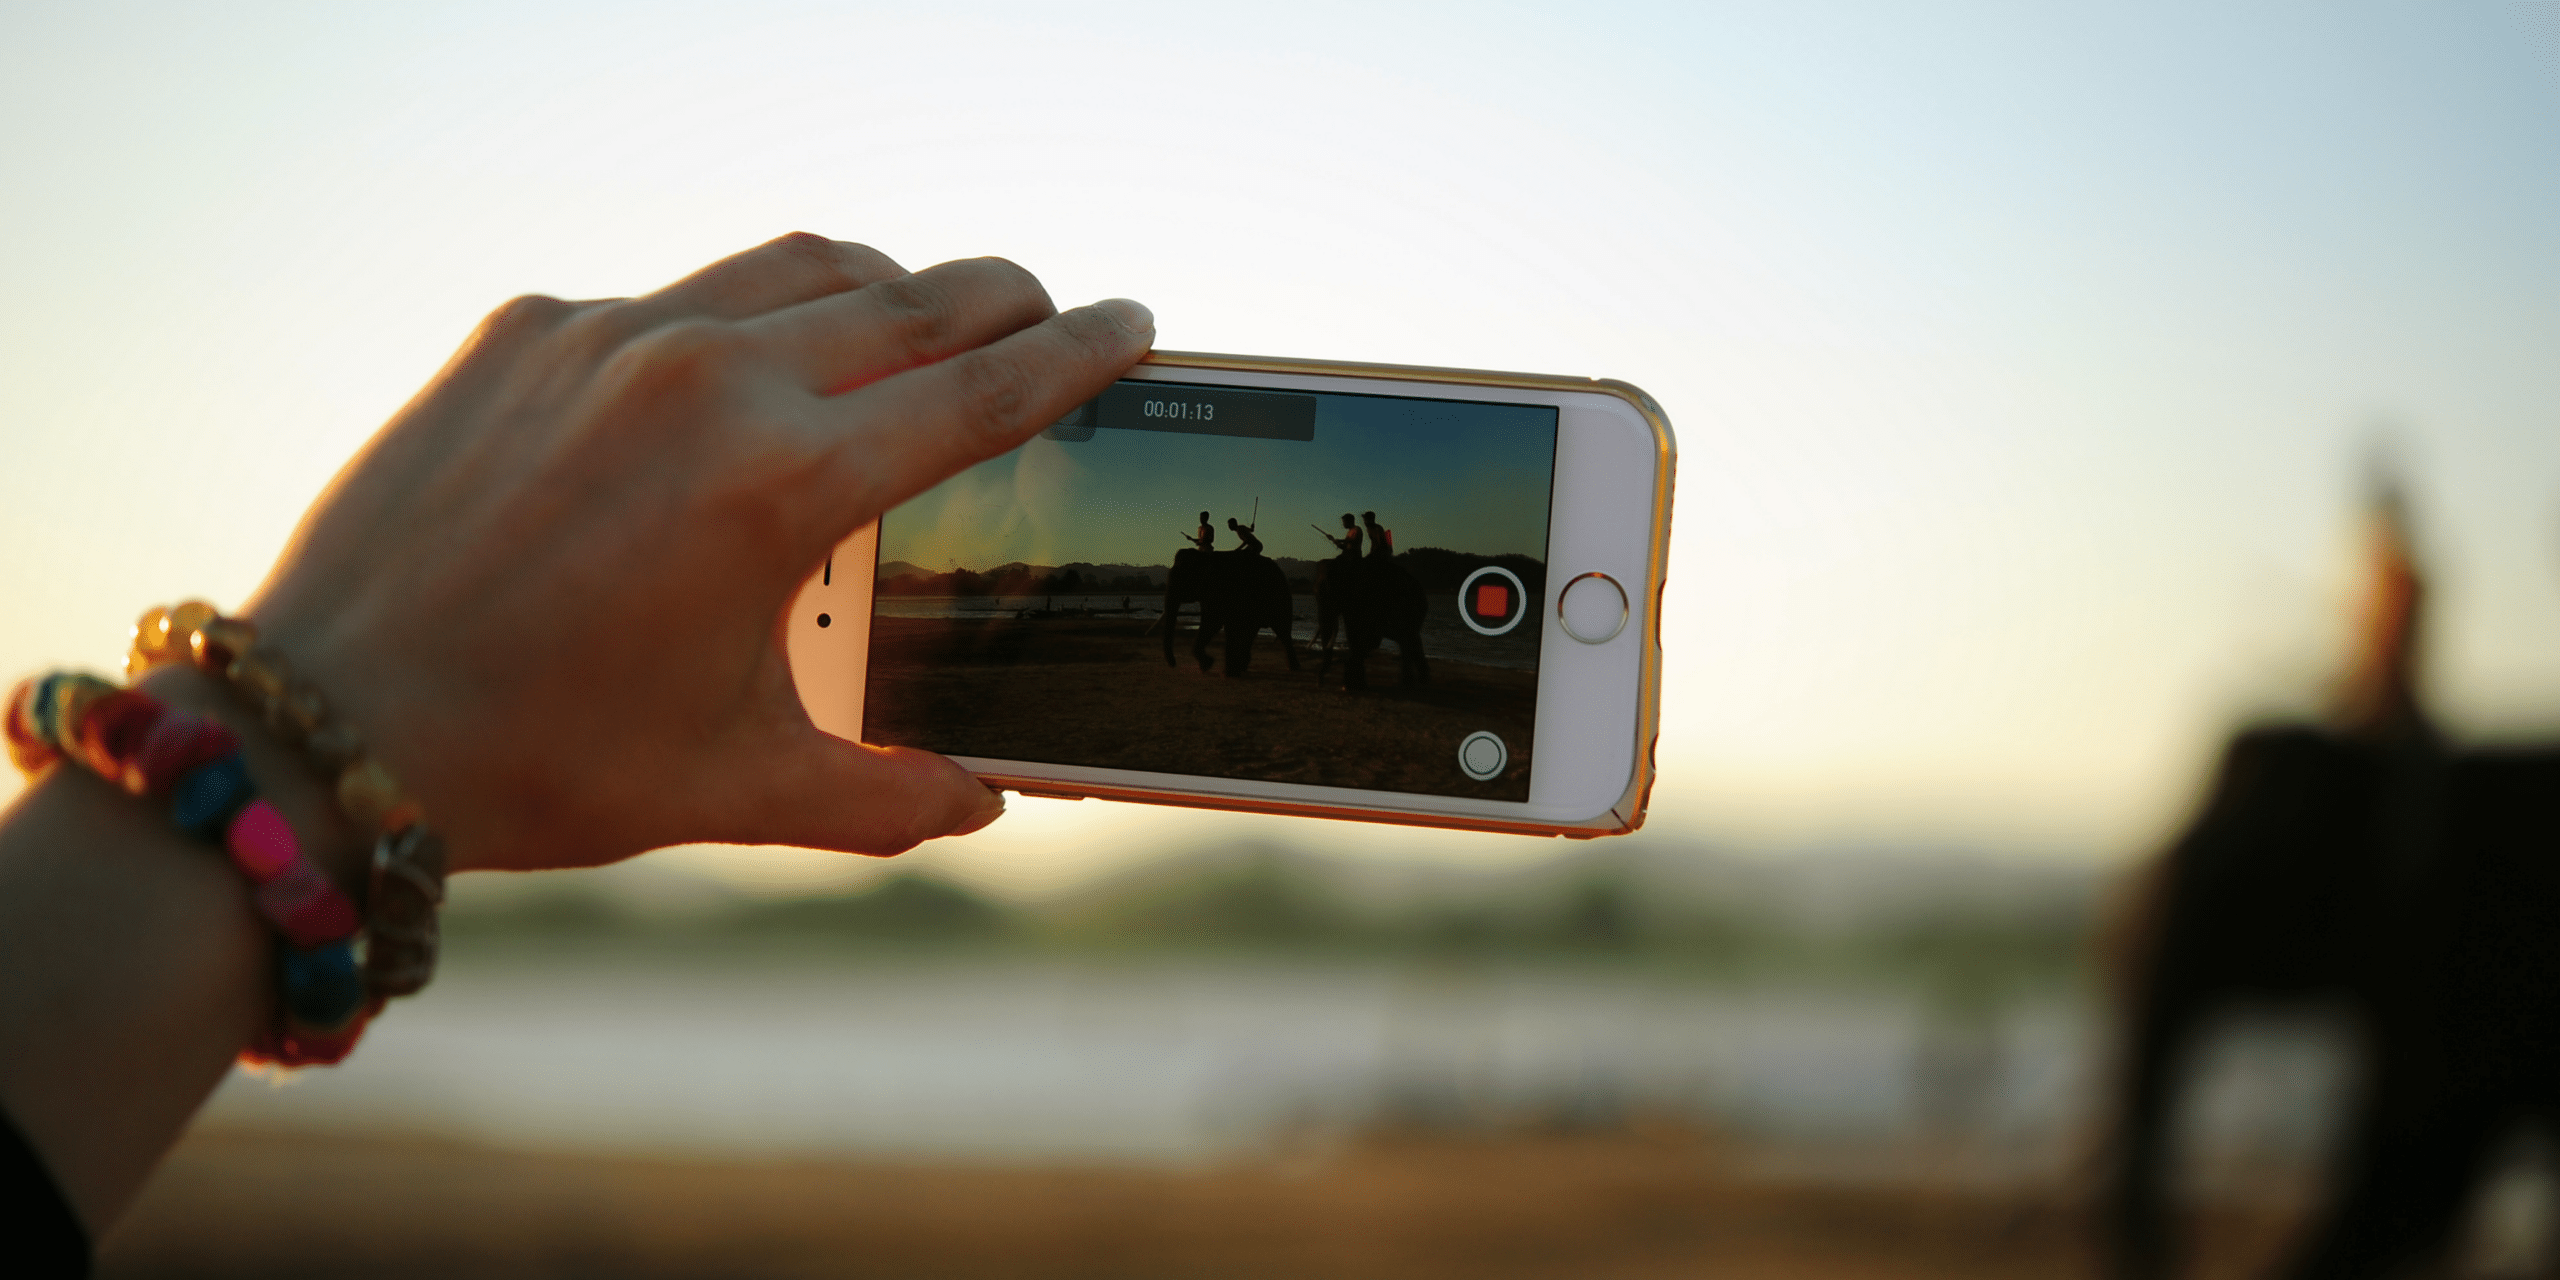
<point x="549" y="592"/>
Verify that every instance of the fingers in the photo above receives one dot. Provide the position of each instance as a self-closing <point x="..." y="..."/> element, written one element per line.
<point x="904" y="434"/>
<point x="775" y="274"/>
<point x="834" y="794"/>
<point x="847" y="340"/>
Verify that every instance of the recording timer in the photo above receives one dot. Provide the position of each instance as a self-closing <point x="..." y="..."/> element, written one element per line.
<point x="1181" y="410"/>
<point x="1206" y="411"/>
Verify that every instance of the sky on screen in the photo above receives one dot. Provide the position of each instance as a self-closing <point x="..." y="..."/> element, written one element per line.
<point x="1465" y="477"/>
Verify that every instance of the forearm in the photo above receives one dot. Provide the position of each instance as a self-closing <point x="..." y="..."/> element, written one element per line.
<point x="133" y="966"/>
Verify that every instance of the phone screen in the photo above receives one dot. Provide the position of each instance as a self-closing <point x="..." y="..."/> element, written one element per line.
<point x="1361" y="576"/>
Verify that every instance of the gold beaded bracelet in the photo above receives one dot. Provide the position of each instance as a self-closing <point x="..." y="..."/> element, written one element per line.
<point x="407" y="881"/>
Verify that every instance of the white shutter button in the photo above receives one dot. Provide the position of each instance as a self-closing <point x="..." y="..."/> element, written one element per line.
<point x="1593" y="608"/>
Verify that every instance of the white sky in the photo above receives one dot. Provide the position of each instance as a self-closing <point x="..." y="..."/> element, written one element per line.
<point x="2022" y="361"/>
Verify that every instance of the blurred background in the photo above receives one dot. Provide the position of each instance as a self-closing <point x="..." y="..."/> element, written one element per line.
<point x="2025" y="364"/>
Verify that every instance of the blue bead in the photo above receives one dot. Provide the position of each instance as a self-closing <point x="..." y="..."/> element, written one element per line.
<point x="203" y="802"/>
<point x="321" y="987"/>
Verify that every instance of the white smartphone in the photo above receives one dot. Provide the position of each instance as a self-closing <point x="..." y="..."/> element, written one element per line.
<point x="1374" y="592"/>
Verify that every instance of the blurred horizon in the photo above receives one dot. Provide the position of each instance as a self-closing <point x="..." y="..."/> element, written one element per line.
<point x="1203" y="1007"/>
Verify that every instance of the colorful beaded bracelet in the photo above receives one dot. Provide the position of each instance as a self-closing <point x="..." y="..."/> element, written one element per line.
<point x="141" y="744"/>
<point x="325" y="996"/>
<point x="408" y="859"/>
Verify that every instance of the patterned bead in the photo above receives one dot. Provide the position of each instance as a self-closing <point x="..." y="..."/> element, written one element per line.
<point x="415" y="855"/>
<point x="400" y="933"/>
<point x="221" y="641"/>
<point x="398" y="966"/>
<point x="204" y="800"/>
<point x="178" y="744"/>
<point x="369" y="794"/>
<point x="319" y="987"/>
<point x="306" y="908"/>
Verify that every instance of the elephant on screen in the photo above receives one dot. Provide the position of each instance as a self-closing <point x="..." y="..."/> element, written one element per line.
<point x="1371" y="600"/>
<point x="1239" y="594"/>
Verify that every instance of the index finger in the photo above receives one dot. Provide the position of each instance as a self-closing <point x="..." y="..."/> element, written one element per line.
<point x="904" y="434"/>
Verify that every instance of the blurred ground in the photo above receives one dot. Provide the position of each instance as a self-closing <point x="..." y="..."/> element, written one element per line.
<point x="235" y="1203"/>
<point x="1668" y="1203"/>
<point x="1250" y="1062"/>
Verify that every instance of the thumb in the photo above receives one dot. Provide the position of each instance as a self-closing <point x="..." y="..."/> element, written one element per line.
<point x="833" y="794"/>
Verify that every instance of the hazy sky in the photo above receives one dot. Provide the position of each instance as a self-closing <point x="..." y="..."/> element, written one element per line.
<point x="1467" y="477"/>
<point x="2022" y="357"/>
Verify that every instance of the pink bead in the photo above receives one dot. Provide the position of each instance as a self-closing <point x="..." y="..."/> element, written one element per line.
<point x="306" y="908"/>
<point x="292" y="894"/>
<point x="261" y="845"/>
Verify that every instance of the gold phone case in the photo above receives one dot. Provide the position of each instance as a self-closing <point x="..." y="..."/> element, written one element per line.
<point x="1627" y="813"/>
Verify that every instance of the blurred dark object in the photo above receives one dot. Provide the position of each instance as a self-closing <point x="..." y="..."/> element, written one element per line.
<point x="2370" y="867"/>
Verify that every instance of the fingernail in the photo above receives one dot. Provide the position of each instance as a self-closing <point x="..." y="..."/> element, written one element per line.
<point x="1133" y="316"/>
<point x="988" y="812"/>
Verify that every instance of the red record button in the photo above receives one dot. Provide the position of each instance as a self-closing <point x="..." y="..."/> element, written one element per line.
<point x="1492" y="600"/>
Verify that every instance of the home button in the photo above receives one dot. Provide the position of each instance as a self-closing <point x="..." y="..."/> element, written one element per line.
<point x="1593" y="608"/>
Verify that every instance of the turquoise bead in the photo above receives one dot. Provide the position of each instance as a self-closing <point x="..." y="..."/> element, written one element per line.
<point x="45" y="709"/>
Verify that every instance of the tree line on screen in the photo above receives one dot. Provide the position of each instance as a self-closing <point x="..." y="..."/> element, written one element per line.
<point x="1438" y="569"/>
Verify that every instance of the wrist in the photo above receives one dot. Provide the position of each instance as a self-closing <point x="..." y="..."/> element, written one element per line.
<point x="403" y="876"/>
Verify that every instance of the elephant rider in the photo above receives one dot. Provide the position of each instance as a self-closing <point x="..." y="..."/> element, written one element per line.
<point x="1247" y="543"/>
<point x="1349" y="543"/>
<point x="1207" y="536"/>
<point x="1382" y="542"/>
